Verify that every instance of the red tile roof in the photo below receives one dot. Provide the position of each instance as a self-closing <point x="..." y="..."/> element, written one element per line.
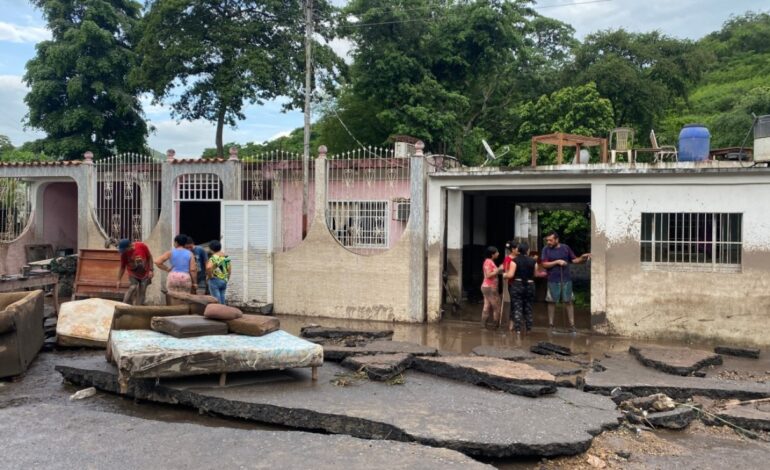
<point x="44" y="163"/>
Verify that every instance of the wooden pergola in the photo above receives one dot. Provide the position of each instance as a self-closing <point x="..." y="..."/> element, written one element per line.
<point x="561" y="139"/>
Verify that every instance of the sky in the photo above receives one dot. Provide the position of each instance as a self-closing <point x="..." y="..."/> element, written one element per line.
<point x="22" y="26"/>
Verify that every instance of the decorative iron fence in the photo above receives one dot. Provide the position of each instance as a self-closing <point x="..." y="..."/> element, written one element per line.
<point x="15" y="208"/>
<point x="368" y="198"/>
<point x="128" y="195"/>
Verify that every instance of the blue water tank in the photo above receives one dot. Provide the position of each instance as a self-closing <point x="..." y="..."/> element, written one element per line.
<point x="694" y="143"/>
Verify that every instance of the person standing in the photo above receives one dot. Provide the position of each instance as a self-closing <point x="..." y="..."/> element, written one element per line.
<point x="489" y="287"/>
<point x="183" y="268"/>
<point x="218" y="271"/>
<point x="556" y="258"/>
<point x="522" y="289"/>
<point x="135" y="257"/>
<point x="201" y="258"/>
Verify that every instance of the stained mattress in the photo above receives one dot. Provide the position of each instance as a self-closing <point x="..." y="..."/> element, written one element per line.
<point x="146" y="353"/>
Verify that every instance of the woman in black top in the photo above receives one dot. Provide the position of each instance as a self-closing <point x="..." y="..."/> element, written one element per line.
<point x="522" y="289"/>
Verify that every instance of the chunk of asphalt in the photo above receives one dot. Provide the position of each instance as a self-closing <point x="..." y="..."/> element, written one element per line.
<point x="750" y="416"/>
<point x="339" y="333"/>
<point x="751" y="353"/>
<point x="627" y="375"/>
<point x="380" y="367"/>
<point x="142" y="443"/>
<point x="678" y="418"/>
<point x="546" y="348"/>
<point x="502" y="353"/>
<point x="677" y="361"/>
<point x="338" y="353"/>
<point x="508" y="376"/>
<point x="426" y="409"/>
<point x="554" y="367"/>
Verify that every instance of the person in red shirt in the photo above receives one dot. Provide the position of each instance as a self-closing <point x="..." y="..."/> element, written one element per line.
<point x="135" y="257"/>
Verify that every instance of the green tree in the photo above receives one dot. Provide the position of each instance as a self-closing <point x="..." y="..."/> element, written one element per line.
<point x="212" y="57"/>
<point x="79" y="94"/>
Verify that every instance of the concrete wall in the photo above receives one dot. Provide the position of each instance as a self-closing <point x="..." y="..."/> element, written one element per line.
<point x="661" y="303"/>
<point x="60" y="215"/>
<point x="321" y="278"/>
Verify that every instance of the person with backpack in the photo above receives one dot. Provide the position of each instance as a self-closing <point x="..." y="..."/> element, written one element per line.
<point x="135" y="257"/>
<point x="218" y="270"/>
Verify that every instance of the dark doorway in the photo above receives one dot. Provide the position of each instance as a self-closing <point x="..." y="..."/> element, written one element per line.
<point x="200" y="220"/>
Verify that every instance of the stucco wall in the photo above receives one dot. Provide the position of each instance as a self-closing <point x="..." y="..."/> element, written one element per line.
<point x="60" y="220"/>
<point x="664" y="304"/>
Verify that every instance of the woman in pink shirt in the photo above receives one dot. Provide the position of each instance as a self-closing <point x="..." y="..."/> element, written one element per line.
<point x="489" y="287"/>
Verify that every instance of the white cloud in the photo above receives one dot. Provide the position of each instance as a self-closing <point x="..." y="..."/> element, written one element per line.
<point x="12" y="91"/>
<point x="279" y="135"/>
<point x="23" y="34"/>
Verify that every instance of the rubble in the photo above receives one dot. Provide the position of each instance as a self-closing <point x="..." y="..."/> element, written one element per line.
<point x="381" y="367"/>
<point x="753" y="415"/>
<point x="315" y="331"/>
<point x="678" y="361"/>
<point x="66" y="267"/>
<point x="428" y="409"/>
<point x="508" y="376"/>
<point x="338" y="353"/>
<point x="752" y="353"/>
<point x="118" y="441"/>
<point x="546" y="348"/>
<point x="630" y="376"/>
<point x="678" y="418"/>
<point x="500" y="353"/>
<point x="656" y="402"/>
<point x="83" y="394"/>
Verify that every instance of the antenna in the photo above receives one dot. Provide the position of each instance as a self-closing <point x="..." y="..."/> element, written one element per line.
<point x="490" y="153"/>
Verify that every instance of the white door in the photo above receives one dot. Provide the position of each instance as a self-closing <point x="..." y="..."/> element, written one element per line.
<point x="247" y="239"/>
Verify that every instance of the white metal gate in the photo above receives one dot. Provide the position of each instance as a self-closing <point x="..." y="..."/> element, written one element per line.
<point x="247" y="227"/>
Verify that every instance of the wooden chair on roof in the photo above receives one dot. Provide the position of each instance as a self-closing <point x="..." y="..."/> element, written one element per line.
<point x="623" y="143"/>
<point x="660" y="153"/>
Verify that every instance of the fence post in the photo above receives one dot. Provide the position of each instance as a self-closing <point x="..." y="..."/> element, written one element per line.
<point x="89" y="157"/>
<point x="233" y="154"/>
<point x="170" y="155"/>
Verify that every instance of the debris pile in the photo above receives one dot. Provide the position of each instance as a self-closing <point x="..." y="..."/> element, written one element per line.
<point x="65" y="267"/>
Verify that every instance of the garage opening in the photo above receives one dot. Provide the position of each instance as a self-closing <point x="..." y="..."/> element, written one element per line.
<point x="198" y="207"/>
<point x="487" y="218"/>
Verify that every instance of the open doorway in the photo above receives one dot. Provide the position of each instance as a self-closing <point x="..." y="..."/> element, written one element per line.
<point x="200" y="220"/>
<point x="60" y="217"/>
<point x="494" y="217"/>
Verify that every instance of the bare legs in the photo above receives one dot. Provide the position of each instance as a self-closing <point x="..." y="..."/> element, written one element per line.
<point x="570" y="313"/>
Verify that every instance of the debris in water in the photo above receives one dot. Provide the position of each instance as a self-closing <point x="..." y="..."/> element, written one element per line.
<point x="348" y="378"/>
<point x="82" y="394"/>
<point x="397" y="380"/>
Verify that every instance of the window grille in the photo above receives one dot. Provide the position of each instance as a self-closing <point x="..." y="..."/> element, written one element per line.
<point x="359" y="224"/>
<point x="692" y="241"/>
<point x="15" y="208"/>
<point x="199" y="187"/>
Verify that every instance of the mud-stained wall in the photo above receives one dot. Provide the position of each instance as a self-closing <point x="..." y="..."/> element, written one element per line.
<point x="732" y="307"/>
<point x="321" y="278"/>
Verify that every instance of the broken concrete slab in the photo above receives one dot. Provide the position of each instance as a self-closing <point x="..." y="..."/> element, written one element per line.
<point x="142" y="443"/>
<point x="546" y="348"/>
<point x="554" y="366"/>
<point x="337" y="333"/>
<point x="678" y="418"/>
<point x="508" y="376"/>
<point x="430" y="410"/>
<point x="380" y="367"/>
<point x="627" y="374"/>
<point x="754" y="416"/>
<point x="501" y="353"/>
<point x="678" y="361"/>
<point x="338" y="353"/>
<point x="751" y="353"/>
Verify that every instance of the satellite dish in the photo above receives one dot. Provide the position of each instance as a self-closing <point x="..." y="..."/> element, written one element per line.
<point x="490" y="153"/>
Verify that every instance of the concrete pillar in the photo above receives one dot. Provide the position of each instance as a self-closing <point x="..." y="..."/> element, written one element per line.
<point x="454" y="242"/>
<point x="148" y="222"/>
<point x="416" y="225"/>
<point x="598" y="254"/>
<point x="436" y="203"/>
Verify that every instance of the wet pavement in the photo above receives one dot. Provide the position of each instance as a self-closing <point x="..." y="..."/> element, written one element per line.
<point x="696" y="447"/>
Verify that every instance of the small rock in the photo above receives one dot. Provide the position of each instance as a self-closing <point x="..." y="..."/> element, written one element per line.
<point x="699" y="373"/>
<point x="623" y="454"/>
<point x="82" y="394"/>
<point x="656" y="402"/>
<point x="678" y="418"/>
<point x="595" y="461"/>
<point x="752" y="353"/>
<point x="381" y="367"/>
<point x="607" y="356"/>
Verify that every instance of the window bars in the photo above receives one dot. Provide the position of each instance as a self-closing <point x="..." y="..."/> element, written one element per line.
<point x="692" y="241"/>
<point x="264" y="174"/>
<point x="367" y="193"/>
<point x="198" y="187"/>
<point x="15" y="208"/>
<point x="128" y="195"/>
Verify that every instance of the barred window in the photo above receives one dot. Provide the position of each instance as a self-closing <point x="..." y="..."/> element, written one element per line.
<point x="692" y="241"/>
<point x="359" y="224"/>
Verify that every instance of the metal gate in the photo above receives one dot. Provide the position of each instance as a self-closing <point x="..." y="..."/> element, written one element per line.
<point x="247" y="238"/>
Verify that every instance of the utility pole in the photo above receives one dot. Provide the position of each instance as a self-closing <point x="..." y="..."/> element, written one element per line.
<point x="308" y="92"/>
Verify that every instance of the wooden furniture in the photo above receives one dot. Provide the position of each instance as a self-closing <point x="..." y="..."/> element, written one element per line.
<point x="561" y="139"/>
<point x="660" y="153"/>
<point x="623" y="142"/>
<point x="18" y="283"/>
<point x="732" y="153"/>
<point x="96" y="275"/>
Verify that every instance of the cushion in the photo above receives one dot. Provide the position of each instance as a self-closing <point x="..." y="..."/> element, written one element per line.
<point x="188" y="326"/>
<point x="85" y="322"/>
<point x="136" y="317"/>
<point x="254" y="325"/>
<point x="197" y="302"/>
<point x="222" y="312"/>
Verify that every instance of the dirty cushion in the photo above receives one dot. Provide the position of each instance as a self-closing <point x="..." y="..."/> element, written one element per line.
<point x="197" y="302"/>
<point x="188" y="326"/>
<point x="254" y="325"/>
<point x="222" y="312"/>
<point x="85" y="322"/>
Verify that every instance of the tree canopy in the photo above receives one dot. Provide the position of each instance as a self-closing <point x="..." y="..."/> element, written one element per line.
<point x="79" y="95"/>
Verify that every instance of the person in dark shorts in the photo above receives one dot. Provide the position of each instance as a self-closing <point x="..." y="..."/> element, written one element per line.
<point x="556" y="258"/>
<point x="201" y="259"/>
<point x="522" y="288"/>
<point x="135" y="257"/>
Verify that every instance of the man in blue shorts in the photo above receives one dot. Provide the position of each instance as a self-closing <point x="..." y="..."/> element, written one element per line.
<point x="556" y="258"/>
